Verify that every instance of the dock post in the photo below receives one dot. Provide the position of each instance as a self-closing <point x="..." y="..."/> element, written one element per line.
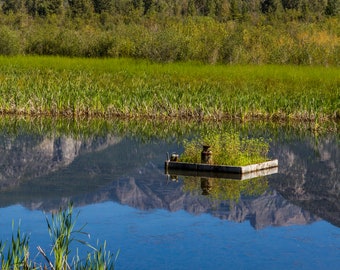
<point x="206" y="155"/>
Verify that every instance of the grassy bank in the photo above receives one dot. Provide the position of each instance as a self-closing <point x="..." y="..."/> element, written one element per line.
<point x="79" y="87"/>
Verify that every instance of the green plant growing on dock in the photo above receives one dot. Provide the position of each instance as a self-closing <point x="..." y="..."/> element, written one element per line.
<point x="62" y="232"/>
<point x="228" y="148"/>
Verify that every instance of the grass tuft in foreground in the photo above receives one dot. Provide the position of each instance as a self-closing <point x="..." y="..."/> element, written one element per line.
<point x="62" y="232"/>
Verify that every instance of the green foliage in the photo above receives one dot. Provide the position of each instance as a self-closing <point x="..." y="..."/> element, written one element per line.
<point x="299" y="32"/>
<point x="61" y="228"/>
<point x="80" y="8"/>
<point x="227" y="149"/>
<point x="17" y="255"/>
<point x="9" y="41"/>
<point x="100" y="259"/>
<point x="10" y="6"/>
<point x="332" y="8"/>
<point x="58" y="86"/>
<point x="43" y="8"/>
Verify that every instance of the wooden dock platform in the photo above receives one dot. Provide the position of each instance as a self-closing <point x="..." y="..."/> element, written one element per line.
<point x="184" y="166"/>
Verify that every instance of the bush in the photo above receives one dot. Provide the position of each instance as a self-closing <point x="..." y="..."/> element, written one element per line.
<point x="9" y="41"/>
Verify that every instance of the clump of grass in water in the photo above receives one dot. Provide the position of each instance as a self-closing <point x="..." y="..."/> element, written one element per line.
<point x="61" y="229"/>
<point x="17" y="253"/>
<point x="228" y="149"/>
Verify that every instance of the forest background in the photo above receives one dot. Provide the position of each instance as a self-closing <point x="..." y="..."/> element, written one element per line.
<point x="303" y="32"/>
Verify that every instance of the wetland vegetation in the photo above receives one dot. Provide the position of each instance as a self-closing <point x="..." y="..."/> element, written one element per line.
<point x="218" y="31"/>
<point x="227" y="149"/>
<point x="62" y="231"/>
<point x="78" y="87"/>
<point x="84" y="63"/>
<point x="283" y="59"/>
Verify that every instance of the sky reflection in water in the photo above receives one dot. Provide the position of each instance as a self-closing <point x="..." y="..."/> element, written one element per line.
<point x="156" y="225"/>
<point x="159" y="239"/>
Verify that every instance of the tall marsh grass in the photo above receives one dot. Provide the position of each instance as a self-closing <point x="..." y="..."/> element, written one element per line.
<point x="134" y="88"/>
<point x="61" y="228"/>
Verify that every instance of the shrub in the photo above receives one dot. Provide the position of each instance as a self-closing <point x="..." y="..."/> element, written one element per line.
<point x="9" y="41"/>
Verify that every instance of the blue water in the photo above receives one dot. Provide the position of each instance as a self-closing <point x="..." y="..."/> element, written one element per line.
<point x="119" y="187"/>
<point x="160" y="239"/>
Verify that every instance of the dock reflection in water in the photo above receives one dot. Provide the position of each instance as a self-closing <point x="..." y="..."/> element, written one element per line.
<point x="119" y="184"/>
<point x="224" y="186"/>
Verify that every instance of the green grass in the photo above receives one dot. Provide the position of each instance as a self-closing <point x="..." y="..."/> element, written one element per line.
<point x="61" y="228"/>
<point x="228" y="148"/>
<point x="77" y="87"/>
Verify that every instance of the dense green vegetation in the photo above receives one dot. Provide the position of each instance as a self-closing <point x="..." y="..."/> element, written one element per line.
<point x="213" y="31"/>
<point x="62" y="231"/>
<point x="227" y="149"/>
<point x="118" y="87"/>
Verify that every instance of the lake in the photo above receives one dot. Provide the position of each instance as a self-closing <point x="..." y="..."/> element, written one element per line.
<point x="116" y="180"/>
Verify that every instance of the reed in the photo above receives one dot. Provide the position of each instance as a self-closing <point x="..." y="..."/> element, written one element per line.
<point x="129" y="88"/>
<point x="62" y="232"/>
<point x="16" y="255"/>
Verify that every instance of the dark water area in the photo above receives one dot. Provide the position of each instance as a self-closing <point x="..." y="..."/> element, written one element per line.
<point x="286" y="220"/>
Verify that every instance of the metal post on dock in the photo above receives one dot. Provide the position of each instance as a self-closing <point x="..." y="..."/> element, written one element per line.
<point x="206" y="155"/>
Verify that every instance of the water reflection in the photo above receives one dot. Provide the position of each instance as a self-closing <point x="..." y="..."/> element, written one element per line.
<point x="46" y="171"/>
<point x="206" y="185"/>
<point x="223" y="186"/>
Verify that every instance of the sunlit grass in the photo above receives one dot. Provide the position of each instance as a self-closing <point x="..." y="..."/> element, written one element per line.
<point x="132" y="88"/>
<point x="228" y="148"/>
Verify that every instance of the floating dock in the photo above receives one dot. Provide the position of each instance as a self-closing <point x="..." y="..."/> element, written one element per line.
<point x="201" y="167"/>
<point x="174" y="173"/>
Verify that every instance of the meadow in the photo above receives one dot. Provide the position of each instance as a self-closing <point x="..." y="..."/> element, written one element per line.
<point x="83" y="87"/>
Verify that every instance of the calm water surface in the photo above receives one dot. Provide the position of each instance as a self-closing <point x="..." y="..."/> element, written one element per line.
<point x="287" y="220"/>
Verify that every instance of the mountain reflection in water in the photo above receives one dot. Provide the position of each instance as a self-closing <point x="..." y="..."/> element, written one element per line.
<point x="45" y="172"/>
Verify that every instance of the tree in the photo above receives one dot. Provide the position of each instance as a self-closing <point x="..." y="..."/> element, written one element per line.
<point x="332" y="8"/>
<point x="290" y="4"/>
<point x="235" y="9"/>
<point x="79" y="8"/>
<point x="103" y="5"/>
<point x="11" y="6"/>
<point x="268" y="6"/>
<point x="43" y="8"/>
<point x="192" y="11"/>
